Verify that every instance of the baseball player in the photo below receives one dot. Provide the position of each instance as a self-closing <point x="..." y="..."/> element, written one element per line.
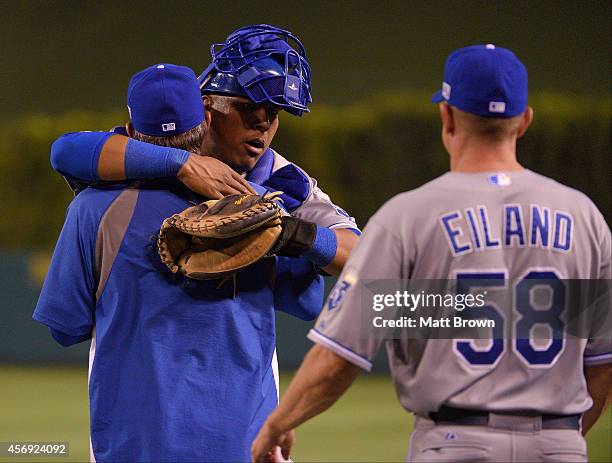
<point x="259" y="71"/>
<point x="180" y="370"/>
<point x="490" y="219"/>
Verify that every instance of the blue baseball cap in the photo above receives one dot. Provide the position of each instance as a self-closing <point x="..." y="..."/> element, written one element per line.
<point x="164" y="100"/>
<point x="484" y="80"/>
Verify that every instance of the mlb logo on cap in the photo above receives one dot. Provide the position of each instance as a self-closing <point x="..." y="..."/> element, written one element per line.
<point x="446" y="91"/>
<point x="497" y="107"/>
<point x="484" y="80"/>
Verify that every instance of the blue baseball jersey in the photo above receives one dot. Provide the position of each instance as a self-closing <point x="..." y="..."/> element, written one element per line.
<point x="180" y="370"/>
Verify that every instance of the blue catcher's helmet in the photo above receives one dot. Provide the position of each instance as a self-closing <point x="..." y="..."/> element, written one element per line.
<point x="260" y="63"/>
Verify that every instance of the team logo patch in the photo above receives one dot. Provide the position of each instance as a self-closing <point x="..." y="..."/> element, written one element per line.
<point x="339" y="292"/>
<point x="500" y="179"/>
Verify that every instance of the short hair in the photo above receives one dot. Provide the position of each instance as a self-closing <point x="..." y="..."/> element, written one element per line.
<point x="189" y="141"/>
<point x="490" y="128"/>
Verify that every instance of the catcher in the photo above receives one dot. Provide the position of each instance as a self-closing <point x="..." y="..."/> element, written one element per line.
<point x="181" y="369"/>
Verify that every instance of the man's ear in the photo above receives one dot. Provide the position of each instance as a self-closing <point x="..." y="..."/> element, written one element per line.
<point x="447" y="117"/>
<point x="526" y="119"/>
<point x="207" y="103"/>
<point x="129" y="128"/>
<point x="207" y="118"/>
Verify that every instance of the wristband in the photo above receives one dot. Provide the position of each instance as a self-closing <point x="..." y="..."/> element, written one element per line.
<point x="324" y="248"/>
<point x="144" y="160"/>
<point x="302" y="238"/>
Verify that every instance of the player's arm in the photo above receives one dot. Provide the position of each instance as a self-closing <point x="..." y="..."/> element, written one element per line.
<point x="599" y="385"/>
<point x="318" y="229"/>
<point x="298" y="288"/>
<point x="67" y="299"/>
<point x="95" y="156"/>
<point x="319" y="209"/>
<point x="346" y="240"/>
<point x="327" y="248"/>
<point x="321" y="380"/>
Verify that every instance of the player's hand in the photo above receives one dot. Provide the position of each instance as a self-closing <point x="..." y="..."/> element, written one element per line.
<point x="266" y="444"/>
<point x="211" y="178"/>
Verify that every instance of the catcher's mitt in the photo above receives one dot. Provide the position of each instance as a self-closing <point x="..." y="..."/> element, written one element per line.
<point x="217" y="238"/>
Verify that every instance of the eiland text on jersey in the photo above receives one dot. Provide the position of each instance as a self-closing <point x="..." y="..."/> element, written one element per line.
<point x="536" y="226"/>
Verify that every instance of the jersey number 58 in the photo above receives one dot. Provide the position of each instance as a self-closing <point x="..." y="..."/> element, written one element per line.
<point x="528" y="317"/>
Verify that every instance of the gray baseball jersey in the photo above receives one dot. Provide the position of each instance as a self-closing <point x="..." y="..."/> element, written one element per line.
<point x="503" y="226"/>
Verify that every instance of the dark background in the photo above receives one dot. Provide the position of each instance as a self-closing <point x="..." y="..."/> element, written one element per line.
<point x="60" y="55"/>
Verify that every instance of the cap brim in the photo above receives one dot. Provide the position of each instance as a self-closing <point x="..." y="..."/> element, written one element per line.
<point x="437" y="97"/>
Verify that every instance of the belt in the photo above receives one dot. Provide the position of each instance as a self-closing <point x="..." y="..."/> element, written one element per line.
<point x="506" y="420"/>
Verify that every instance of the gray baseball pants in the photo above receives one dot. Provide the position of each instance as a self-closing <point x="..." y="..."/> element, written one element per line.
<point x="507" y="439"/>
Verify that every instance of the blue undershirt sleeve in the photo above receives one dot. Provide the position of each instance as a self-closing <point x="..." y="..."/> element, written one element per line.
<point x="76" y="154"/>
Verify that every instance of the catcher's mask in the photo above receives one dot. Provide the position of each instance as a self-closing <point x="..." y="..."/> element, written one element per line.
<point x="263" y="63"/>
